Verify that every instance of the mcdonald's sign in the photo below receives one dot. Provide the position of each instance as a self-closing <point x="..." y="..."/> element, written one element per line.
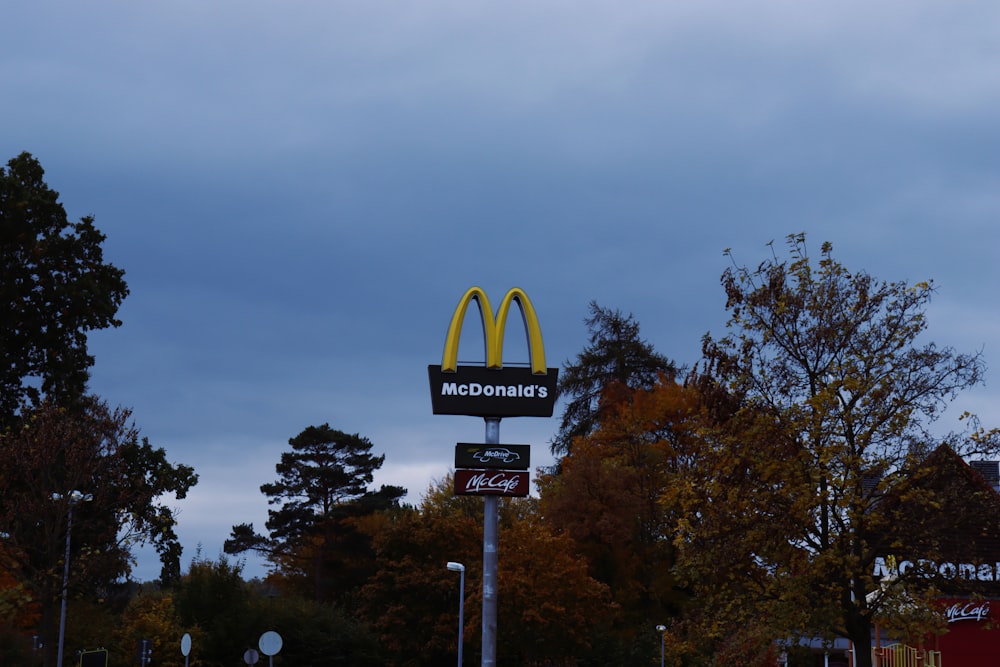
<point x="493" y="390"/>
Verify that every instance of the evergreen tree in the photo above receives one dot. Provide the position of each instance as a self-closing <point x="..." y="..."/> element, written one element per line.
<point x="615" y="356"/>
<point x="321" y="492"/>
<point x="54" y="288"/>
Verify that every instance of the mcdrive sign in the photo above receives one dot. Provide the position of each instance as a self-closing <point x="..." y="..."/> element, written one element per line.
<point x="492" y="390"/>
<point x="499" y="457"/>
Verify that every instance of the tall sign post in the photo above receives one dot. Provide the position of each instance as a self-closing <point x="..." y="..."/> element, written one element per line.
<point x="492" y="392"/>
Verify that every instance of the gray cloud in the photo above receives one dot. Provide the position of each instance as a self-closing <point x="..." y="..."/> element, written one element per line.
<point x="300" y="191"/>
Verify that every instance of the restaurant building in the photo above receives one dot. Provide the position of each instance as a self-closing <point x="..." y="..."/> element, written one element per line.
<point x="948" y="516"/>
<point x="964" y="562"/>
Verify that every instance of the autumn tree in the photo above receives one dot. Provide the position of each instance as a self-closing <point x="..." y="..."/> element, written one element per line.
<point x="97" y="451"/>
<point x="549" y="607"/>
<point x="321" y="492"/>
<point x="18" y="611"/>
<point x="55" y="287"/>
<point x="607" y="499"/>
<point x="152" y="617"/>
<point x="411" y="586"/>
<point x="836" y="392"/>
<point x="615" y="355"/>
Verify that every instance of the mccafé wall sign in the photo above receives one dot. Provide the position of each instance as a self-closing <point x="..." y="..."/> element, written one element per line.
<point x="966" y="610"/>
<point x="493" y="390"/>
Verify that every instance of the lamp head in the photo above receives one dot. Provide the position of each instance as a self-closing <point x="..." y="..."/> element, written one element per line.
<point x="456" y="567"/>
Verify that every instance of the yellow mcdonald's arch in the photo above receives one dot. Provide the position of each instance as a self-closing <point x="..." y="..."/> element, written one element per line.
<point x="493" y="329"/>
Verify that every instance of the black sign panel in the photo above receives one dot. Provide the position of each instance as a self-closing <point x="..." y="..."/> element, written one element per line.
<point x="502" y="457"/>
<point x="478" y="391"/>
<point x="98" y="658"/>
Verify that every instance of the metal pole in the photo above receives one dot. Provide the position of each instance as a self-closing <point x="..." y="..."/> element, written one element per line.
<point x="491" y="504"/>
<point x="461" y="613"/>
<point x="460" y="568"/>
<point x="662" y="629"/>
<point x="65" y="586"/>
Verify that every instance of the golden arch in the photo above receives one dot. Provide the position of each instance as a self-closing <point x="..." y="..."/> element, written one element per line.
<point x="493" y="329"/>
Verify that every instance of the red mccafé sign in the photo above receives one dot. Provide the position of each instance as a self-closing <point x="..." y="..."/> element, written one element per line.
<point x="491" y="483"/>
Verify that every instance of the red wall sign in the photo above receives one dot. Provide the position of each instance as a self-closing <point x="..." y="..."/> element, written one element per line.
<point x="491" y="483"/>
<point x="972" y="638"/>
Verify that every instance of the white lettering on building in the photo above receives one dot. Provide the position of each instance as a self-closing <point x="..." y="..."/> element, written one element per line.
<point x="968" y="571"/>
<point x="972" y="611"/>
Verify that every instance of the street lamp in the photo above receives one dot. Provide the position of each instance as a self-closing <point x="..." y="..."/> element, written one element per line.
<point x="662" y="629"/>
<point x="458" y="567"/>
<point x="73" y="497"/>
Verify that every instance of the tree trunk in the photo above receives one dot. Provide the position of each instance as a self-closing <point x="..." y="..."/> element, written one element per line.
<point x="860" y="631"/>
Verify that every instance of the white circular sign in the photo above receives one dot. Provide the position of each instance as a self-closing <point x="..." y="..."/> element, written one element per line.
<point x="185" y="644"/>
<point x="270" y="643"/>
<point x="251" y="657"/>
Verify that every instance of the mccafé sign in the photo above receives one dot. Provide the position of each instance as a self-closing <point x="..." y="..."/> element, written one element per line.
<point x="493" y="390"/>
<point x="491" y="482"/>
<point x="967" y="611"/>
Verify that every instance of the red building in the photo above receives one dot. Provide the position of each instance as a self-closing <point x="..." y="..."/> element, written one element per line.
<point x="948" y="517"/>
<point x="952" y="526"/>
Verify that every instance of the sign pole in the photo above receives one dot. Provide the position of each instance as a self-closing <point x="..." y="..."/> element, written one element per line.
<point x="491" y="521"/>
<point x="492" y="391"/>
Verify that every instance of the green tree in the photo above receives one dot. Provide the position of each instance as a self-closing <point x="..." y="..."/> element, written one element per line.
<point x="317" y="633"/>
<point x="835" y="394"/>
<point x="215" y="605"/>
<point x="226" y="615"/>
<point x="97" y="451"/>
<point x="615" y="356"/>
<point x="54" y="288"/>
<point x="321" y="492"/>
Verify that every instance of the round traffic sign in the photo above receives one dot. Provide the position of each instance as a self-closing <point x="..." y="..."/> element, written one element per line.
<point x="270" y="643"/>
<point x="185" y="644"/>
<point x="251" y="656"/>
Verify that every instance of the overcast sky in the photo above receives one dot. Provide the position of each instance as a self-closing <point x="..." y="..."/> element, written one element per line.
<point x="300" y="191"/>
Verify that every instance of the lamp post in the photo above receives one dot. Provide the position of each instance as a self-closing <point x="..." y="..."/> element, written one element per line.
<point x="458" y="567"/>
<point x="73" y="497"/>
<point x="662" y="629"/>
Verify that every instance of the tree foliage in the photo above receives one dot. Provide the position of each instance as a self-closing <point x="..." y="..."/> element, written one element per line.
<point x="152" y="617"/>
<point x="97" y="451"/>
<point x="607" y="499"/>
<point x="615" y="355"/>
<point x="321" y="492"/>
<point x="411" y="586"/>
<point x="54" y="288"/>
<point x="835" y="395"/>
<point x="226" y="615"/>
<point x="549" y="607"/>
